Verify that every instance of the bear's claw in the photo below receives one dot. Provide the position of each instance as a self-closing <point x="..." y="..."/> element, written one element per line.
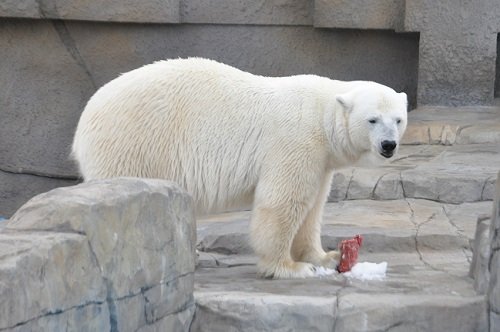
<point x="289" y="270"/>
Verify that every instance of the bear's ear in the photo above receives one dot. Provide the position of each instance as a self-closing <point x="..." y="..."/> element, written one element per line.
<point x="404" y="97"/>
<point x="345" y="100"/>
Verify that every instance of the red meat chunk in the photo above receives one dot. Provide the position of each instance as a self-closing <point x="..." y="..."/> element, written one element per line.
<point x="349" y="253"/>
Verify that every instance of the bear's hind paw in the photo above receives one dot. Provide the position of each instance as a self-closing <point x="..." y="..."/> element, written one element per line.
<point x="289" y="270"/>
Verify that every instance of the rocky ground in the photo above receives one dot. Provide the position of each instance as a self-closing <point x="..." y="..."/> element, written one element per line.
<point x="418" y="214"/>
<point x="118" y="255"/>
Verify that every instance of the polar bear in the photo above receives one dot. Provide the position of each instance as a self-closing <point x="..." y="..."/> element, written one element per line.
<point x="231" y="138"/>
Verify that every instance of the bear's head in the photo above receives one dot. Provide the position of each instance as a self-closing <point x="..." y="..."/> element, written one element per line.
<point x="375" y="119"/>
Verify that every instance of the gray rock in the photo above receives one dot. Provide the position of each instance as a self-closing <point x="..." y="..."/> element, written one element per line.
<point x="274" y="12"/>
<point x="125" y="245"/>
<point x="494" y="262"/>
<point x="418" y="294"/>
<point x="489" y="190"/>
<point x="449" y="187"/>
<point x="386" y="14"/>
<point x="455" y="45"/>
<point x="340" y="184"/>
<point x="384" y="312"/>
<point x="494" y="321"/>
<point x="484" y="134"/>
<point x="16" y="189"/>
<point x="47" y="273"/>
<point x="91" y="317"/>
<point x="177" y="321"/>
<point x="238" y="311"/>
<point x="364" y="182"/>
<point x="480" y="260"/>
<point x="128" y="11"/>
<point x="389" y="186"/>
<point x="225" y="237"/>
<point x="494" y="288"/>
<point x="40" y="108"/>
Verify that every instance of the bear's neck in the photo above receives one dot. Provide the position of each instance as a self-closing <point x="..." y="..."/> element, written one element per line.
<point x="343" y="152"/>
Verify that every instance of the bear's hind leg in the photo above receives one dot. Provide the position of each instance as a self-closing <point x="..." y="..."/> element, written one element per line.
<point x="306" y="245"/>
<point x="272" y="232"/>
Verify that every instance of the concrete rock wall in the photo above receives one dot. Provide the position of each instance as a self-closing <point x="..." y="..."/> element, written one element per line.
<point x="56" y="54"/>
<point x="494" y="264"/>
<point x="114" y="255"/>
<point x="45" y="95"/>
<point x="485" y="267"/>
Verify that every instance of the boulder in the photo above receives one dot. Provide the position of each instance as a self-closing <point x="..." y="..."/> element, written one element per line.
<point x="106" y="255"/>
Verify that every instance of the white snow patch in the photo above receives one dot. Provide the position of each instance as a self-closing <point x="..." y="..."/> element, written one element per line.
<point x="368" y="271"/>
<point x="324" y="272"/>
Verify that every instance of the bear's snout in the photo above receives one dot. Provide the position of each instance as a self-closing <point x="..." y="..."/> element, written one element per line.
<point x="388" y="148"/>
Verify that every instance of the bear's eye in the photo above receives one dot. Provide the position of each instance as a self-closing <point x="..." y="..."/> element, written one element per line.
<point x="372" y="120"/>
<point x="398" y="121"/>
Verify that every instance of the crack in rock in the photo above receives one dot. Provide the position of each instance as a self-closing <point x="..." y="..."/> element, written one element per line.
<point x="486" y="182"/>
<point x="395" y="326"/>
<point x="70" y="45"/>
<point x="372" y="195"/>
<point x="113" y="319"/>
<point x="24" y="171"/>
<point x="460" y="232"/>
<point x="111" y="302"/>
<point x="52" y="313"/>
<point x="64" y="35"/>
<point x="417" y="231"/>
<point x="403" y="188"/>
<point x="349" y="185"/>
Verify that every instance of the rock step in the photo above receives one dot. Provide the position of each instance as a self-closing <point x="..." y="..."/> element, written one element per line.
<point x="448" y="174"/>
<point x="425" y="243"/>
<point x="419" y="293"/>
<point x="452" y="125"/>
<point x="387" y="226"/>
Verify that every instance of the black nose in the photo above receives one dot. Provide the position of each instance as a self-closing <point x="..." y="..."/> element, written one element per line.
<point x="388" y="146"/>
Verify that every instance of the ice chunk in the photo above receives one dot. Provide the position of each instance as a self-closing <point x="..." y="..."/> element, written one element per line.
<point x="368" y="271"/>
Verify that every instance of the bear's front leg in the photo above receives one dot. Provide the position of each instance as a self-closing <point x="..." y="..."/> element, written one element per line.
<point x="283" y="200"/>
<point x="273" y="228"/>
<point x="306" y="245"/>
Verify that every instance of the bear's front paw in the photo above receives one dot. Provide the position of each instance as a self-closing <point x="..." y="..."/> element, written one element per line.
<point x="288" y="270"/>
<point x="331" y="259"/>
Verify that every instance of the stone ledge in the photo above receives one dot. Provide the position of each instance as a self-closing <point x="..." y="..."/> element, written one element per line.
<point x="415" y="295"/>
<point x="263" y="12"/>
<point x="380" y="14"/>
<point x="146" y="11"/>
<point x="291" y="12"/>
<point x="106" y="255"/>
<point x="359" y="14"/>
<point x="449" y="174"/>
<point x="393" y="226"/>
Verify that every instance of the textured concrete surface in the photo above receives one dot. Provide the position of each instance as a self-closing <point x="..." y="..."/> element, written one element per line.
<point x="453" y="125"/>
<point x="44" y="96"/>
<point x="451" y="52"/>
<point x="359" y="14"/>
<point x="16" y="189"/>
<point x="494" y="263"/>
<point x="426" y="245"/>
<point x="457" y="50"/>
<point x="114" y="255"/>
<point x="396" y="225"/>
<point x="264" y="12"/>
<point x="479" y="268"/>
<point x="450" y="174"/>
<point x="152" y="11"/>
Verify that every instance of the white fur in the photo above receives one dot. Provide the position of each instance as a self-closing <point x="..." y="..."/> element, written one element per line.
<point x="231" y="139"/>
